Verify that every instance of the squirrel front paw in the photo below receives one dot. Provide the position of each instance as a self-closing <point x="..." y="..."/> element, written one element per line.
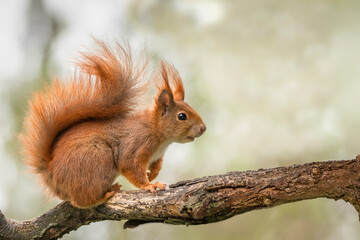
<point x="153" y="186"/>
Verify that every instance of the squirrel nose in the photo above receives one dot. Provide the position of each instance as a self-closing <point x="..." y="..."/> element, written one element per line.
<point x="202" y="128"/>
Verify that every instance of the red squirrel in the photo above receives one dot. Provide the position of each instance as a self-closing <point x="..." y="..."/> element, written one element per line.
<point x="81" y="134"/>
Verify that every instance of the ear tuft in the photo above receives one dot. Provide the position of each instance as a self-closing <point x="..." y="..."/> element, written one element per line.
<point x="164" y="101"/>
<point x="178" y="90"/>
<point x="168" y="70"/>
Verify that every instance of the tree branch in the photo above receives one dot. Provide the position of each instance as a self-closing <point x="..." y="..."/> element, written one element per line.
<point x="202" y="200"/>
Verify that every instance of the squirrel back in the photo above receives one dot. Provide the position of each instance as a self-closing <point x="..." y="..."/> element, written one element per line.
<point x="107" y="85"/>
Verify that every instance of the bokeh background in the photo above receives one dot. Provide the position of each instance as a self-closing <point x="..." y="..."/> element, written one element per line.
<point x="276" y="81"/>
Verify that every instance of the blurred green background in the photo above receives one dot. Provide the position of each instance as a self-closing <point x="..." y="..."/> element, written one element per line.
<point x="277" y="83"/>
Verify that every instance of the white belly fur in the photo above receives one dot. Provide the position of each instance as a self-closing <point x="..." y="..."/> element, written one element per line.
<point x="159" y="152"/>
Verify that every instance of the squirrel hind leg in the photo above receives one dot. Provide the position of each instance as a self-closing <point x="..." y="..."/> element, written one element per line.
<point x="78" y="204"/>
<point x="115" y="187"/>
<point x="83" y="173"/>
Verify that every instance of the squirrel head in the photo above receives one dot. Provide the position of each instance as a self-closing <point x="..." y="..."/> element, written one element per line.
<point x="180" y="122"/>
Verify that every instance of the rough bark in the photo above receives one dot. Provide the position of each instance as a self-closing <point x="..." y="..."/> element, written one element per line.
<point x="202" y="200"/>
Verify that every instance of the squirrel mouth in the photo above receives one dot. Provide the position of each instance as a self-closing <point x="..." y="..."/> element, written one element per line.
<point x="191" y="138"/>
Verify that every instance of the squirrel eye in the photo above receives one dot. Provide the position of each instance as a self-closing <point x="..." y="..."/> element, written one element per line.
<point x="182" y="116"/>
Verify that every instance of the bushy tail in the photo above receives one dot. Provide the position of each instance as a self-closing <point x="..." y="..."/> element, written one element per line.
<point x="107" y="85"/>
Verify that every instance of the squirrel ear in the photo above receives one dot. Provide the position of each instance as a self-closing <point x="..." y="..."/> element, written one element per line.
<point x="178" y="87"/>
<point x="179" y="93"/>
<point x="178" y="90"/>
<point x="164" y="101"/>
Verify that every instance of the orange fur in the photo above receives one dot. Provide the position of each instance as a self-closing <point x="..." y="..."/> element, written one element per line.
<point x="79" y="135"/>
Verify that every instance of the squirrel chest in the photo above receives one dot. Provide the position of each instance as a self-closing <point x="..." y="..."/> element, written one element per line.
<point x="159" y="152"/>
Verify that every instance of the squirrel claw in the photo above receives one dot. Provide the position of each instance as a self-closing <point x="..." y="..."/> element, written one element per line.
<point x="159" y="185"/>
<point x="153" y="186"/>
